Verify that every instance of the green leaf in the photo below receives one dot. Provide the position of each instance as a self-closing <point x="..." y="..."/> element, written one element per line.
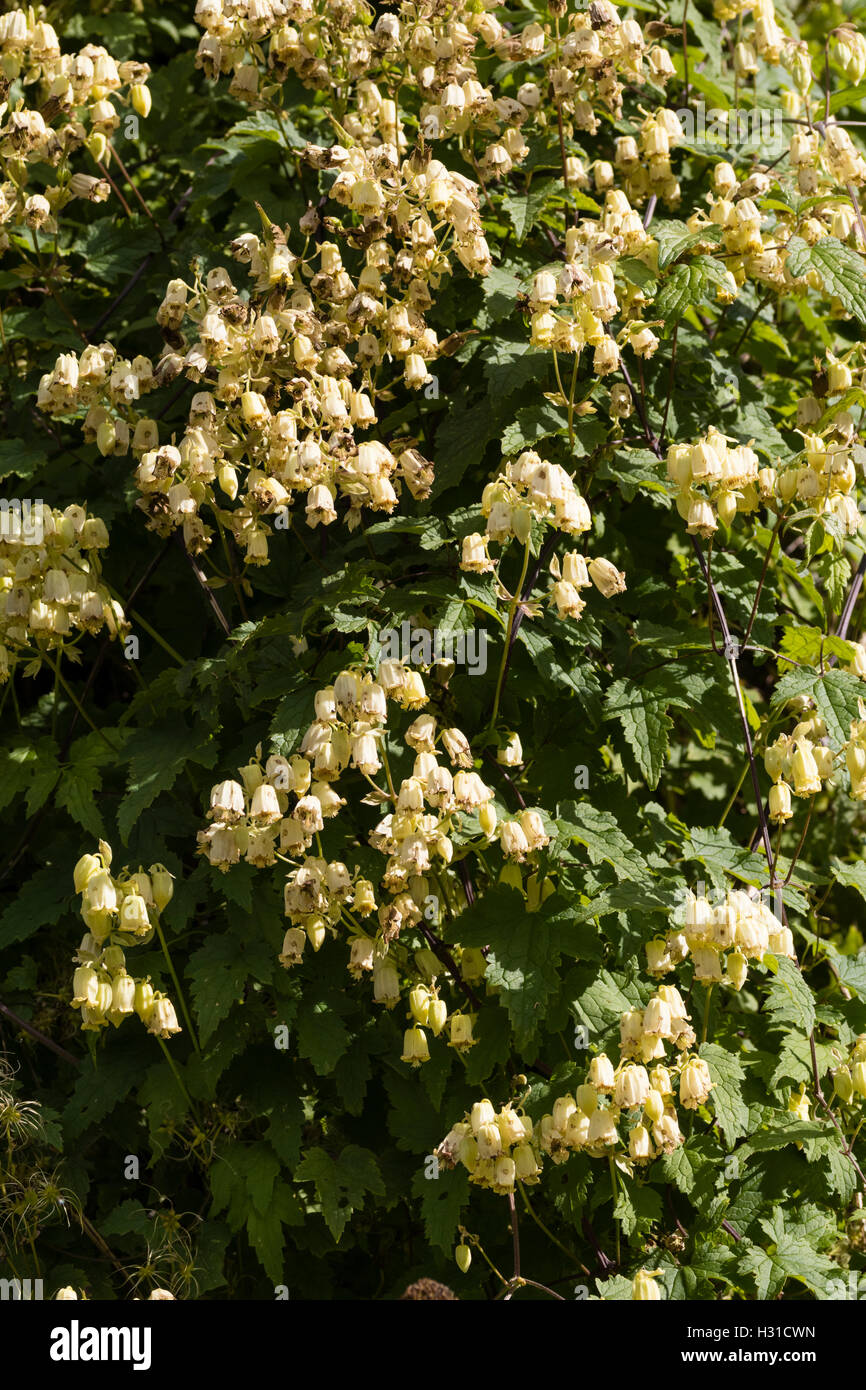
<point x="841" y="269"/>
<point x="442" y="1201"/>
<point x="20" y="459"/>
<point x="645" y="723"/>
<point x="807" y="645"/>
<point x="524" y="209"/>
<point x="638" y="1206"/>
<point x="98" y="1091"/>
<point x="265" y="1229"/>
<point x="605" y="842"/>
<point x="789" y="999"/>
<point x="674" y="238"/>
<point x="726" y="1097"/>
<point x="111" y="252"/>
<point x="76" y="793"/>
<point x="788" y="1255"/>
<point x="524" y="972"/>
<point x="341" y="1185"/>
<point x="322" y="1035"/>
<point x="219" y="971"/>
<point x="849" y="96"/>
<point x="837" y="696"/>
<point x="604" y="1001"/>
<point x="40" y="902"/>
<point x="688" y="284"/>
<point x="158" y="756"/>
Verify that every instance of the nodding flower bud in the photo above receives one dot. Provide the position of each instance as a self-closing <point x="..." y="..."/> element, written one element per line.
<point x="804" y="769"/>
<point x="162" y="886"/>
<point x="526" y="1167"/>
<point x="601" y="1073"/>
<point x="437" y="1016"/>
<point x="133" y="915"/>
<point x="143" y="1002"/>
<point x="141" y="99"/>
<point x="419" y="1003"/>
<point x="606" y="577"/>
<point x="415" y="1049"/>
<point x="461" y="1032"/>
<point x="738" y="969"/>
<point x="587" y="1099"/>
<point x="644" y="1288"/>
<point x="294" y="942"/>
<point x="640" y="1146"/>
<point x="780" y="803"/>
<point x="654" y="1106"/>
<point x="695" y="1083"/>
<point x="162" y="1021"/>
<point x="843" y="1085"/>
<point x="87" y="866"/>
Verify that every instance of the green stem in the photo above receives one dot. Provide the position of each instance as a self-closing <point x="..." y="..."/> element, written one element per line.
<point x="70" y="694"/>
<point x="387" y="768"/>
<point x="152" y="632"/>
<point x="734" y="794"/>
<point x="614" y="1190"/>
<point x="178" y="1079"/>
<point x="142" y="622"/>
<point x="180" y="995"/>
<point x="571" y="401"/>
<point x="550" y="1236"/>
<point x="512" y="609"/>
<point x="706" y="1028"/>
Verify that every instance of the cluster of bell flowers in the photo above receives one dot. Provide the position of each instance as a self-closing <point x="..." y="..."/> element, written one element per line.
<point x="119" y="912"/>
<point x="849" y="1079"/>
<point x="644" y="160"/>
<point x="626" y="1112"/>
<point x="532" y="489"/>
<point x="571" y="306"/>
<point x="446" y="56"/>
<point x="715" y="478"/>
<point x="824" y="482"/>
<point x="498" y="1149"/>
<point x="69" y="107"/>
<point x="320" y="896"/>
<point x="828" y="156"/>
<point x="847" y="51"/>
<point x="855" y="749"/>
<point x="721" y="934"/>
<point x="799" y="764"/>
<point x="50" y="586"/>
<point x="752" y="240"/>
<point x="569" y="73"/>
<point x="824" y="479"/>
<point x="758" y="26"/>
<point x="276" y="810"/>
<point x="428" y="1009"/>
<point x="291" y="377"/>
